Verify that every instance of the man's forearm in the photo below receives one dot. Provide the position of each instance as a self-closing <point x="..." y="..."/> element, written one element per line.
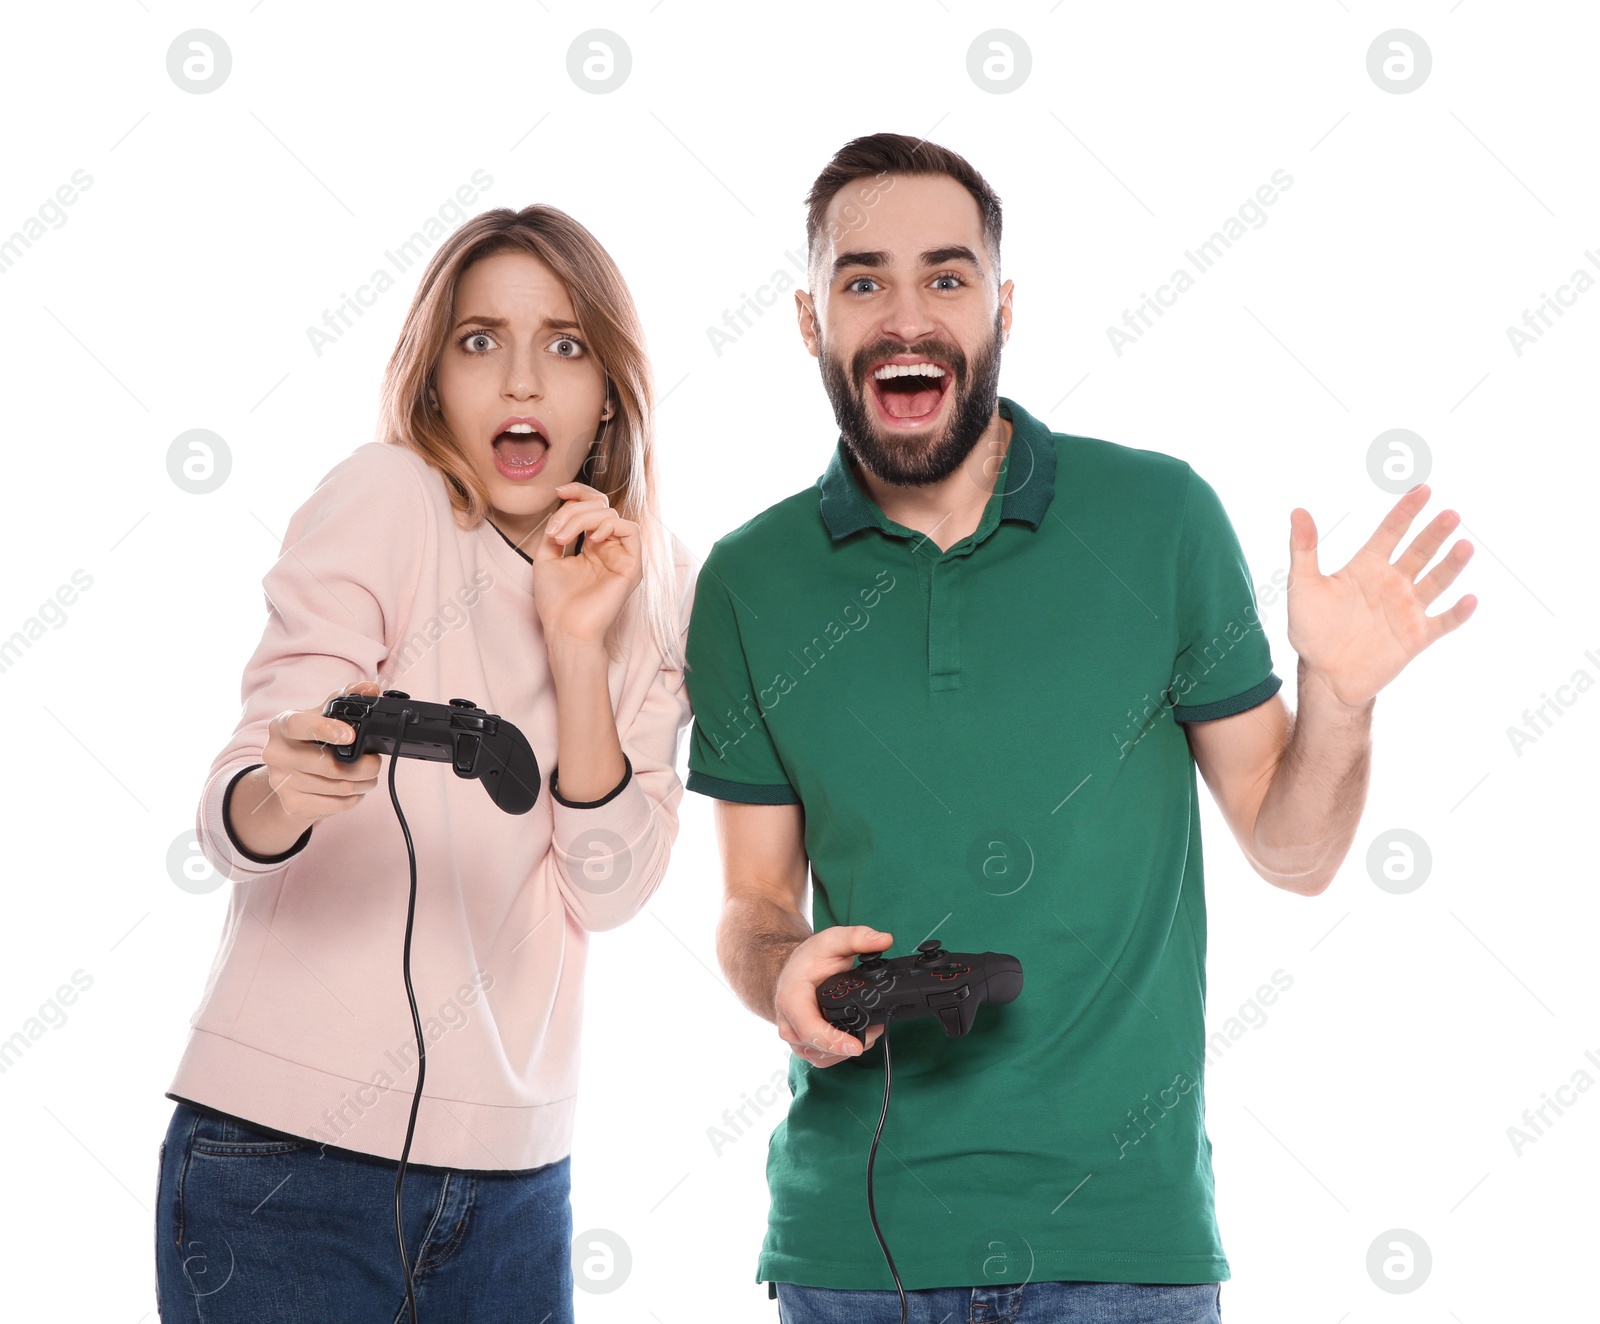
<point x="754" y="939"/>
<point x="1309" y="815"/>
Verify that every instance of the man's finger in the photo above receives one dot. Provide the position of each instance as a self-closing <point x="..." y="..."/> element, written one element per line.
<point x="1302" y="546"/>
<point x="810" y="1030"/>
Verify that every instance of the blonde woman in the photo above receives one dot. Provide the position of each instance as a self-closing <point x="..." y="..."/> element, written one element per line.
<point x="500" y="542"/>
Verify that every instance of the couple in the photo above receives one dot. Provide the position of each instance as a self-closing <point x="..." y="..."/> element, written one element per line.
<point x="965" y="679"/>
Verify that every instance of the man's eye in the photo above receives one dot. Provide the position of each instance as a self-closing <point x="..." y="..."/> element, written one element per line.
<point x="956" y="279"/>
<point x="860" y="280"/>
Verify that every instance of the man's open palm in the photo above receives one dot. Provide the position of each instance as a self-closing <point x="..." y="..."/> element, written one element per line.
<point x="1359" y="627"/>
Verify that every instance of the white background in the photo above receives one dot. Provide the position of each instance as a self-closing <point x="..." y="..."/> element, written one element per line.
<point x="178" y="292"/>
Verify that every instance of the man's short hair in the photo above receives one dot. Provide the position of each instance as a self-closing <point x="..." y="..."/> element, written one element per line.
<point x="896" y="153"/>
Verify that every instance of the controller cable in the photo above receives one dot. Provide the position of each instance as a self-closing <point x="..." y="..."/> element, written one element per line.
<point x="407" y="715"/>
<point x="872" y="1154"/>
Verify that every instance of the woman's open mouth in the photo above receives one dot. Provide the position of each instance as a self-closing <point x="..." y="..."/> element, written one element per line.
<point x="519" y="452"/>
<point x="909" y="395"/>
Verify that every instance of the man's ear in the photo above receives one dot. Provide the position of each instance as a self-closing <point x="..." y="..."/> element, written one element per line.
<point x="806" y="314"/>
<point x="1005" y="309"/>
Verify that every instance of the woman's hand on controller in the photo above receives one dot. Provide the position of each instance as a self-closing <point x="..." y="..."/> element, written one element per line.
<point x="301" y="781"/>
<point x="811" y="964"/>
<point x="309" y="782"/>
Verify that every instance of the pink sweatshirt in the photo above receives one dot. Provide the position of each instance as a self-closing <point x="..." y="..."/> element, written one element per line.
<point x="304" y="1025"/>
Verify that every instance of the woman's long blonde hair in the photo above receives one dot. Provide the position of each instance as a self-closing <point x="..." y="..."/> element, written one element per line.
<point x="621" y="462"/>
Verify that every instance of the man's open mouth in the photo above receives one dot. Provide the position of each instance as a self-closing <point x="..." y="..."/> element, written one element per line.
<point x="909" y="392"/>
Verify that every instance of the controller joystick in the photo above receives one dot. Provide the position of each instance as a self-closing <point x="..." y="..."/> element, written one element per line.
<point x="478" y="745"/>
<point x="872" y="966"/>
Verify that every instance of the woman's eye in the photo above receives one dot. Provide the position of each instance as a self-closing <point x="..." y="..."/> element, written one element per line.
<point x="567" y="347"/>
<point x="469" y="342"/>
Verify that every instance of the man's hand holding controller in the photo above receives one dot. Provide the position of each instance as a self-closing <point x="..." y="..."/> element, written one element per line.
<point x="810" y="965"/>
<point x="300" y="781"/>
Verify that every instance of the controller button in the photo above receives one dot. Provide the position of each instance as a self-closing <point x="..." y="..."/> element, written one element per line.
<point x="395" y="694"/>
<point x="949" y="999"/>
<point x="931" y="945"/>
<point x="954" y="972"/>
<point x="462" y="703"/>
<point x="466" y="755"/>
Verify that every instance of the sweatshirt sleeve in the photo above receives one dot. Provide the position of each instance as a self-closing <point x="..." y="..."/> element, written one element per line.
<point x="336" y="598"/>
<point x="607" y="858"/>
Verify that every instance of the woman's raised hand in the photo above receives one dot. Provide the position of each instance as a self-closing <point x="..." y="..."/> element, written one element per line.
<point x="578" y="597"/>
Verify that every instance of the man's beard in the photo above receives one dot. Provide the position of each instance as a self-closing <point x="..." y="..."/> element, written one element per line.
<point x="915" y="461"/>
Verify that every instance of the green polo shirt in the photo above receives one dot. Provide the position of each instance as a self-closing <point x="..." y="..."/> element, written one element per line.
<point x="986" y="744"/>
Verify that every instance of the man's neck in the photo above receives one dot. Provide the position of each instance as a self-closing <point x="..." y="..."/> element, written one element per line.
<point x="949" y="510"/>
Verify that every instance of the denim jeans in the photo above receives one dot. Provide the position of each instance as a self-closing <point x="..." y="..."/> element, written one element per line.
<point x="253" y="1225"/>
<point x="1021" y="1303"/>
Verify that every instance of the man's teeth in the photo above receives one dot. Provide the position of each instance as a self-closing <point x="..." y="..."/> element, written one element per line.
<point x="908" y="370"/>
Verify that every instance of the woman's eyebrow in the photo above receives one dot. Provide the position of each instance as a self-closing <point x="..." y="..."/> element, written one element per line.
<point x="554" y="323"/>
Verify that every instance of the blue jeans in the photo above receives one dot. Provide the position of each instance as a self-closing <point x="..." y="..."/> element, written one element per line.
<point x="253" y="1225"/>
<point x="1018" y="1303"/>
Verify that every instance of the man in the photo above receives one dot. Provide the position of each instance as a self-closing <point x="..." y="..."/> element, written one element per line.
<point x="968" y="677"/>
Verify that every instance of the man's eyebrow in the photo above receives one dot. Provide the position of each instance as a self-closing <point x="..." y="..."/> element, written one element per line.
<point x="554" y="323"/>
<point x="933" y="257"/>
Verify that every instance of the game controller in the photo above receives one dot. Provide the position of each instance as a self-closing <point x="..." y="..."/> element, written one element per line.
<point x="934" y="982"/>
<point x="475" y="743"/>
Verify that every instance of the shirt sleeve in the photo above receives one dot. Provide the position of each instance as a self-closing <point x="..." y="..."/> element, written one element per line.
<point x="336" y="597"/>
<point x="1224" y="664"/>
<point x="608" y="856"/>
<point x="731" y="753"/>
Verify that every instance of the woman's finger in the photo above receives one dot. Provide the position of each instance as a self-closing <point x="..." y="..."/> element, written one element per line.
<point x="576" y="517"/>
<point x="581" y="490"/>
<point x="615" y="527"/>
<point x="309" y="783"/>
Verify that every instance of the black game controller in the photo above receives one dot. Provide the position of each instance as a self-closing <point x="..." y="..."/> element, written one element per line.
<point x="475" y="743"/>
<point x="949" y="985"/>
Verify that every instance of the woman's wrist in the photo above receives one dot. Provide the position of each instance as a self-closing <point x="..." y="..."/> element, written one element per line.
<point x="569" y="654"/>
<point x="255" y="819"/>
<point x="589" y="749"/>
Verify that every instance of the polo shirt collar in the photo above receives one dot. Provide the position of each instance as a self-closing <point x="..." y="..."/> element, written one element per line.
<point x="1028" y="475"/>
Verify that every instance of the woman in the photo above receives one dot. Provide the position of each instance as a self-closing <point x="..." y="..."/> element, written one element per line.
<point x="501" y="543"/>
